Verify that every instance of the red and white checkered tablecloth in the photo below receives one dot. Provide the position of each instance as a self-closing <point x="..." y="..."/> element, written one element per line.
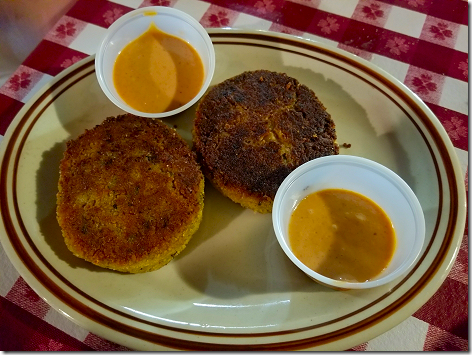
<point x="423" y="43"/>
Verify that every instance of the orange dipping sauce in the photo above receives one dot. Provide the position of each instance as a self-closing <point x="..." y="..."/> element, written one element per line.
<point x="342" y="235"/>
<point x="158" y="72"/>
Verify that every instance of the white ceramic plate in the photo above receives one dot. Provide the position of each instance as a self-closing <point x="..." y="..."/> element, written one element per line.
<point x="233" y="288"/>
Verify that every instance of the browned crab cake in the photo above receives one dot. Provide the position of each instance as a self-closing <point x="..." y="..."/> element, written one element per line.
<point x="252" y="130"/>
<point x="130" y="194"/>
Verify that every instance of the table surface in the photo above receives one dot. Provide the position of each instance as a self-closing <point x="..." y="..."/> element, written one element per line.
<point x="423" y="43"/>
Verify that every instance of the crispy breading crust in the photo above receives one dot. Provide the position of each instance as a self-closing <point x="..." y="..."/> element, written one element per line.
<point x="130" y="194"/>
<point x="252" y="130"/>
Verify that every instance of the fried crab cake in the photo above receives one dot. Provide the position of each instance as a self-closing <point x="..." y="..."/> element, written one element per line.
<point x="130" y="194"/>
<point x="252" y="130"/>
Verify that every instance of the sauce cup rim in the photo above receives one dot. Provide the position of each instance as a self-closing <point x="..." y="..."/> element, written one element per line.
<point x="153" y="11"/>
<point x="364" y="163"/>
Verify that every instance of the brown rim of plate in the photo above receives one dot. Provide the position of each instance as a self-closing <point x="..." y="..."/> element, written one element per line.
<point x="86" y="68"/>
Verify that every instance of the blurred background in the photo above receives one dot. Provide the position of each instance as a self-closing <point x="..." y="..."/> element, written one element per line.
<point x="23" y="23"/>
